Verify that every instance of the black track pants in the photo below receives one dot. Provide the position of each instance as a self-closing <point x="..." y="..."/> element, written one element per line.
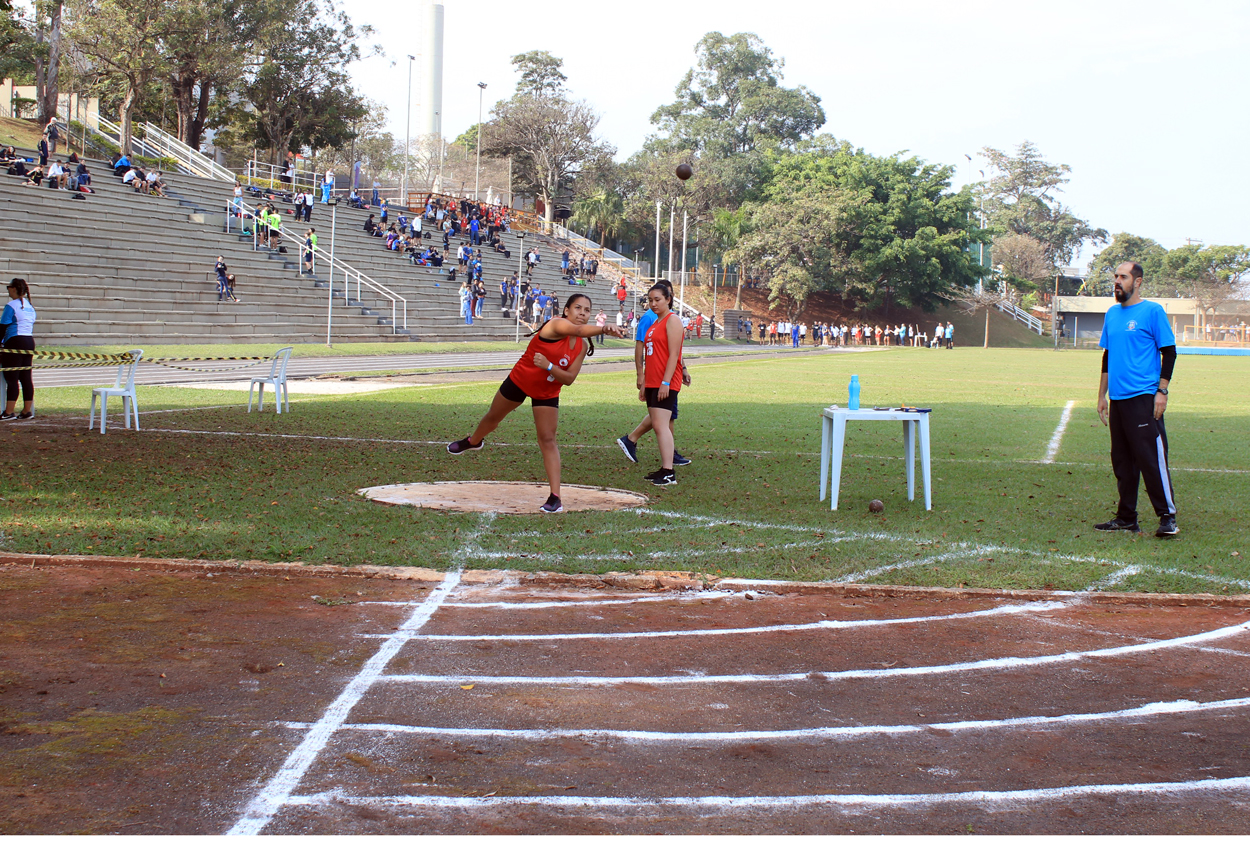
<point x="1139" y="450"/>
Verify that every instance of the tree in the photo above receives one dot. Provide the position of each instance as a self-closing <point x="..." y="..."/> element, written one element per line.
<point x="549" y="138"/>
<point x="601" y="212"/>
<point x="877" y="230"/>
<point x="209" y="47"/>
<point x="540" y="74"/>
<point x="733" y="102"/>
<point x="123" y="38"/>
<point x="1210" y="275"/>
<point x="48" y="66"/>
<point x="1124" y="248"/>
<point x="301" y="91"/>
<point x="17" y="47"/>
<point x="1020" y="198"/>
<point x="1023" y="259"/>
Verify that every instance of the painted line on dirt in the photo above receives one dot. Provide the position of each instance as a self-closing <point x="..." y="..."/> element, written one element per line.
<point x="277" y="793"/>
<point x="845" y="732"/>
<point x="911" y="563"/>
<point x="613" y="601"/>
<point x="853" y="674"/>
<point x="1052" y="449"/>
<point x="900" y="800"/>
<point x="1007" y="609"/>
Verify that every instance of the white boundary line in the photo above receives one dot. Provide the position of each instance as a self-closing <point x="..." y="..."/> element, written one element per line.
<point x="845" y="732"/>
<point x="1052" y="449"/>
<point x="277" y="793"/>
<point x="972" y="797"/>
<point x="851" y="674"/>
<point x="1007" y="609"/>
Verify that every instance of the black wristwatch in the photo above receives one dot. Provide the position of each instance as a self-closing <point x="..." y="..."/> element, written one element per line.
<point x="1163" y="391"/>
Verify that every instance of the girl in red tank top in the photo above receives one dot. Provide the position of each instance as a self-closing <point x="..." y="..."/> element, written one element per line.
<point x="662" y="377"/>
<point x="552" y="360"/>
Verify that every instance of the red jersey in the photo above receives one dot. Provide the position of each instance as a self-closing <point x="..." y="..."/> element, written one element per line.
<point x="533" y="380"/>
<point x="657" y="355"/>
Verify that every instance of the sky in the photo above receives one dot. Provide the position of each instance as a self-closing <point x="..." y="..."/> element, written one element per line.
<point x="1145" y="101"/>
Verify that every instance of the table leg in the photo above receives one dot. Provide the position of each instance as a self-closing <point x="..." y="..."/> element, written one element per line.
<point x="924" y="461"/>
<point x="826" y="426"/>
<point x="909" y="456"/>
<point x="836" y="445"/>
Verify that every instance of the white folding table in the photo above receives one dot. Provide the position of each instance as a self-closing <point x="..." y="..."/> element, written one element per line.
<point x="833" y="440"/>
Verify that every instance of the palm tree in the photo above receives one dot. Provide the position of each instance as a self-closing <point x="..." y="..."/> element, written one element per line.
<point x="603" y="212"/>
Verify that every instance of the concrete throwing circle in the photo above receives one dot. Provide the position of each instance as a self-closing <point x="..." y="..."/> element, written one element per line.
<point x="506" y="498"/>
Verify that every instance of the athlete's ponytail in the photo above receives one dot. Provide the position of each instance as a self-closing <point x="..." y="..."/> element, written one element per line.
<point x="22" y="288"/>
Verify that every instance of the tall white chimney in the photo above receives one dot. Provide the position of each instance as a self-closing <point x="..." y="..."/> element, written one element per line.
<point x="431" y="120"/>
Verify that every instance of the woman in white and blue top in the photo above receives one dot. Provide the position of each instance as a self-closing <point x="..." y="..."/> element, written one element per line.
<point x="17" y="327"/>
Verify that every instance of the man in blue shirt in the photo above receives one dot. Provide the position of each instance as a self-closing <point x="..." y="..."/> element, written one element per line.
<point x="629" y="443"/>
<point x="1139" y="352"/>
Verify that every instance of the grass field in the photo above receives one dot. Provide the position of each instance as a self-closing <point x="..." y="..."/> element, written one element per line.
<point x="284" y="487"/>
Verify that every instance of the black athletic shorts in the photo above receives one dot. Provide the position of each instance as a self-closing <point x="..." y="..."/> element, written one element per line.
<point x="509" y="391"/>
<point x="654" y="401"/>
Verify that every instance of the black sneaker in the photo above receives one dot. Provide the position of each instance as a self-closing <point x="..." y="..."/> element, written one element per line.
<point x="552" y="505"/>
<point x="679" y="459"/>
<point x="628" y="447"/>
<point x="1167" y="527"/>
<point x="30" y="415"/>
<point x="7" y="415"/>
<point x="1117" y="525"/>
<point x="661" y="477"/>
<point x="464" y="444"/>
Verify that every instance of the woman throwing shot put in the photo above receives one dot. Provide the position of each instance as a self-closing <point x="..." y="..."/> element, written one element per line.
<point x="552" y="360"/>
<point x="662" y="357"/>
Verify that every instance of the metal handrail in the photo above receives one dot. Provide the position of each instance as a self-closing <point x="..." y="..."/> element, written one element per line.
<point x="190" y="159"/>
<point x="335" y="263"/>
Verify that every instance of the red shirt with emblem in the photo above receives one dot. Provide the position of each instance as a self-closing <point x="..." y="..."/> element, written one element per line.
<point x="657" y="354"/>
<point x="534" y="381"/>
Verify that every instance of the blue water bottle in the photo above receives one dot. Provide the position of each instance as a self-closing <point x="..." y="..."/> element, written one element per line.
<point x="853" y="403"/>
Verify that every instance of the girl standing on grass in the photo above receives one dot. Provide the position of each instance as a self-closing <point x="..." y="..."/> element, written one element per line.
<point x="552" y="360"/>
<point x="17" y="329"/>
<point x="662" y="360"/>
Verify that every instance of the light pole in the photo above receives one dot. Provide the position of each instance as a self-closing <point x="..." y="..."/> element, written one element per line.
<point x="712" y="335"/>
<point x="334" y="217"/>
<point x="407" y="130"/>
<point x="516" y="305"/>
<point x="477" y="178"/>
<point x="672" y="212"/>
<point x="685" y="220"/>
<point x="656" y="269"/>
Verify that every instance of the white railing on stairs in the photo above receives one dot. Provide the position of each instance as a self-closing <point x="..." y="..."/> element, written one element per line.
<point x="190" y="159"/>
<point x="242" y="211"/>
<point x="1022" y="316"/>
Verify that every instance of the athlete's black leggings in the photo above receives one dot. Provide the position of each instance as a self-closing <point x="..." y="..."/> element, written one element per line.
<point x="13" y="377"/>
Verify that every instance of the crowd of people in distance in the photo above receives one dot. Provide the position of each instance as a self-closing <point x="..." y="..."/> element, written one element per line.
<point x="70" y="174"/>
<point x="792" y="334"/>
<point x="137" y="177"/>
<point x="578" y="270"/>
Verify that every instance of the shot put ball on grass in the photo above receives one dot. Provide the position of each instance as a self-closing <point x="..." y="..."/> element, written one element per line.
<point x="876" y="506"/>
<point x="684" y="171"/>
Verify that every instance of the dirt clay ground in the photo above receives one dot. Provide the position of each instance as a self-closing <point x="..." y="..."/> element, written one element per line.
<point x="136" y="698"/>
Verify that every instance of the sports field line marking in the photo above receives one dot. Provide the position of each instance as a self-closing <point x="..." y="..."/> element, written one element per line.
<point x="679" y="597"/>
<point x="843" y="732"/>
<point x="1006" y="609"/>
<point x="852" y="674"/>
<point x="857" y="576"/>
<point x="903" y="800"/>
<point x="277" y="793"/>
<point x="1052" y="449"/>
<point x="410" y="442"/>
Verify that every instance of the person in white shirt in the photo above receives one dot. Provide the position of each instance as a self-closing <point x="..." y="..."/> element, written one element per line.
<point x="56" y="175"/>
<point x="17" y="324"/>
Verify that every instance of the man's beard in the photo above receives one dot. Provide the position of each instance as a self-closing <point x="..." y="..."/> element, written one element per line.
<point x="1121" y="296"/>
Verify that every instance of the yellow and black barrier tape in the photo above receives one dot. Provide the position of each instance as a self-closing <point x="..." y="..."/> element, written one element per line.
<point x="91" y="359"/>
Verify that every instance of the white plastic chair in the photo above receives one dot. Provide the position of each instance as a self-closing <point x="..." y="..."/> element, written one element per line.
<point x="277" y="378"/>
<point x="126" y="390"/>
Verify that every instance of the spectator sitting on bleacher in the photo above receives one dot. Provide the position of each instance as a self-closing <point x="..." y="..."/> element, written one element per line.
<point x="371" y="227"/>
<point x="81" y="179"/>
<point x="8" y="155"/>
<point x="156" y="185"/>
<point x="355" y="200"/>
<point x="132" y="178"/>
<point x="34" y="177"/>
<point x="120" y="165"/>
<point x="56" y="175"/>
